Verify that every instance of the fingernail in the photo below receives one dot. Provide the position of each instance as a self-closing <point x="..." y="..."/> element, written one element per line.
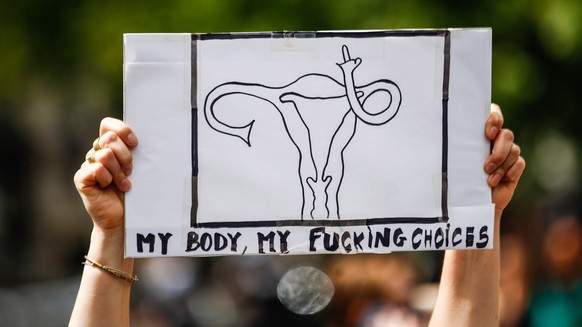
<point x="490" y="168"/>
<point x="128" y="170"/>
<point x="125" y="184"/>
<point x="132" y="139"/>
<point x="496" y="179"/>
<point x="493" y="132"/>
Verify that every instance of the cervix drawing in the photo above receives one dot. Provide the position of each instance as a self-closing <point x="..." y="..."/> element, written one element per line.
<point x="320" y="116"/>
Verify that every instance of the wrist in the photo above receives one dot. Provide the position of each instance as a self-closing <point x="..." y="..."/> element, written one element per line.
<point x="108" y="237"/>
<point x="107" y="247"/>
<point x="498" y="214"/>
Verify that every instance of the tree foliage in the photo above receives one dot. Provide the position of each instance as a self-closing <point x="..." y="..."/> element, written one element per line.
<point x="61" y="66"/>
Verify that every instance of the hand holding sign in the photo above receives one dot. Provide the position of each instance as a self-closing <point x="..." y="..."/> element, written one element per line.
<point x="102" y="181"/>
<point x="504" y="165"/>
<point x="102" y="199"/>
<point x="103" y="178"/>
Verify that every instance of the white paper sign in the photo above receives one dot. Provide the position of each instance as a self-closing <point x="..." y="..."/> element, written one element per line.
<point x="311" y="142"/>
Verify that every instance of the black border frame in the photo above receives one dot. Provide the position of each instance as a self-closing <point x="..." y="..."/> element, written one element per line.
<point x="444" y="218"/>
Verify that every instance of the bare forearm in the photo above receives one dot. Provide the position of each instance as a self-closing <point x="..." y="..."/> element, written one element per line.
<point x="103" y="299"/>
<point x="469" y="289"/>
<point x="468" y="292"/>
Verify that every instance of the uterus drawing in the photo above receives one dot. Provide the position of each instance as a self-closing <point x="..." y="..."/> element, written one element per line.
<point x="320" y="142"/>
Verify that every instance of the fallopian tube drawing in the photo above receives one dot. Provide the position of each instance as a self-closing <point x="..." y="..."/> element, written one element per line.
<point x="320" y="116"/>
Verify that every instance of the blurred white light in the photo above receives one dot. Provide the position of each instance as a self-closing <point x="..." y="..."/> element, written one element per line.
<point x="168" y="277"/>
<point x="305" y="290"/>
<point x="556" y="162"/>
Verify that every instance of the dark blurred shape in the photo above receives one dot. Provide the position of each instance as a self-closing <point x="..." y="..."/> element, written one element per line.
<point x="557" y="298"/>
<point x="374" y="290"/>
<point x="15" y="199"/>
<point x="38" y="304"/>
<point x="514" y="287"/>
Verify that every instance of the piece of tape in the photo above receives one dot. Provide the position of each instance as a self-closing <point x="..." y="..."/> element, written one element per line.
<point x="293" y="41"/>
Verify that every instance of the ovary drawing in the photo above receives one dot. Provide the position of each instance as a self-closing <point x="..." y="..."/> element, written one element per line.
<point x="320" y="142"/>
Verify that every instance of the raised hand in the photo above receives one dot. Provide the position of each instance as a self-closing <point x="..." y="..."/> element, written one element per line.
<point x="103" y="177"/>
<point x="505" y="164"/>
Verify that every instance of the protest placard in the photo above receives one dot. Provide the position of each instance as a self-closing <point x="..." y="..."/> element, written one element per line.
<point x="308" y="142"/>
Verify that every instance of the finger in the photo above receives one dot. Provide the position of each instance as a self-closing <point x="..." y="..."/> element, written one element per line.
<point x="90" y="156"/>
<point x="91" y="175"/>
<point x="501" y="149"/>
<point x="120" y="128"/>
<point x="122" y="153"/>
<point x="501" y="171"/>
<point x="106" y="157"/>
<point x="346" y="53"/>
<point x="494" y="122"/>
<point x="514" y="153"/>
<point x="514" y="172"/>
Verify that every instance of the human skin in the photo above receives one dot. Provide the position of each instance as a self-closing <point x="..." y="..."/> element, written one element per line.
<point x="103" y="300"/>
<point x="468" y="292"/>
<point x="469" y="286"/>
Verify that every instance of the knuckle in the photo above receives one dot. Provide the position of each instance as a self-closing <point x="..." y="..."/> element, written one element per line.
<point x="508" y="134"/>
<point x="129" y="158"/>
<point x="108" y="138"/>
<point x="77" y="178"/>
<point x="516" y="149"/>
<point x="495" y="116"/>
<point x="105" y="122"/>
<point x="497" y="156"/>
<point x="120" y="176"/>
<point x="102" y="174"/>
<point x="497" y="160"/>
<point x="521" y="163"/>
<point x="106" y="154"/>
<point x="517" y="168"/>
<point x="108" y="120"/>
<point x="496" y="109"/>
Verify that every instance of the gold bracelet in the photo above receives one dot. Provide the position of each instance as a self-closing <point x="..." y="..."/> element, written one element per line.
<point x="117" y="273"/>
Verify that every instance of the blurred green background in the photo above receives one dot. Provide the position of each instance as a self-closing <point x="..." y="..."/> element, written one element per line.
<point x="61" y="72"/>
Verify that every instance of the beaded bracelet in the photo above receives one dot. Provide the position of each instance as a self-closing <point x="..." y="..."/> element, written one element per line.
<point x="117" y="273"/>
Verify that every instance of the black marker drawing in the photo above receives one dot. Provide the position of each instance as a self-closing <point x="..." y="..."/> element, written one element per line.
<point x="320" y="143"/>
